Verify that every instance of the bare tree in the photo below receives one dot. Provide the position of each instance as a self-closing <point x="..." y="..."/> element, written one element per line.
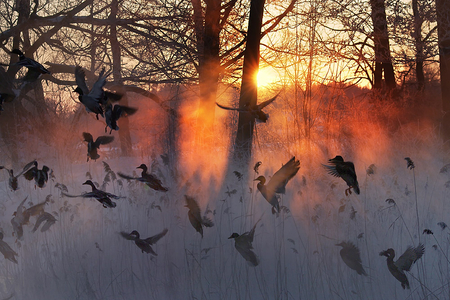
<point x="443" y="19"/>
<point x="383" y="60"/>
<point x="248" y="97"/>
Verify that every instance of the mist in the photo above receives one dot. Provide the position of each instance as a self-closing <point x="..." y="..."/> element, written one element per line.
<point x="83" y="255"/>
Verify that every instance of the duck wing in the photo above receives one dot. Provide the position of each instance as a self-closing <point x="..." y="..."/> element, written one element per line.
<point x="8" y="252"/>
<point x="251" y="233"/>
<point x="232" y="108"/>
<point x="103" y="140"/>
<point x="351" y="256"/>
<point x="194" y="208"/>
<point x="112" y="97"/>
<point x="245" y="249"/>
<point x="31" y="173"/>
<point x="48" y="224"/>
<point x="37" y="209"/>
<point x="26" y="168"/>
<point x="123" y="111"/>
<point x="46" y="217"/>
<point x="81" y="80"/>
<point x="97" y="92"/>
<point x="153" y="239"/>
<point x="84" y="195"/>
<point x="267" y="102"/>
<point x="129" y="177"/>
<point x="405" y="261"/>
<point x="17" y="227"/>
<point x="281" y="177"/>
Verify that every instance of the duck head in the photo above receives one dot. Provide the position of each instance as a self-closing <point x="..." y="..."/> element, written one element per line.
<point x="135" y="233"/>
<point x="234" y="235"/>
<point x="338" y="158"/>
<point x="89" y="182"/>
<point x="261" y="179"/>
<point x="143" y="167"/>
<point x="389" y="253"/>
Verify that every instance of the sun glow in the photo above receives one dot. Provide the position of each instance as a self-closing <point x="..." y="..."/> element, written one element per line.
<point x="266" y="76"/>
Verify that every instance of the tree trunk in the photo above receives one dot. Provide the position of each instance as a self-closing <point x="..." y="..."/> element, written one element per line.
<point x="124" y="132"/>
<point x="248" y="97"/>
<point x="443" y="21"/>
<point x="10" y="124"/>
<point x="417" y="34"/>
<point x="208" y="43"/>
<point x="383" y="61"/>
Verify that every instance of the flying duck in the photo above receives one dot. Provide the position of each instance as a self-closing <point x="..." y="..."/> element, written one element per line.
<point x="351" y="257"/>
<point x="346" y="170"/>
<point x="40" y="176"/>
<point x="277" y="184"/>
<point x="112" y="114"/>
<point x="144" y="244"/>
<point x="255" y="111"/>
<point x="93" y="146"/>
<point x="35" y="69"/>
<point x="7" y="251"/>
<point x="403" y="263"/>
<point x="151" y="180"/>
<point x="243" y="244"/>
<point x="101" y="196"/>
<point x="46" y="217"/>
<point x="13" y="183"/>
<point x="195" y="217"/>
<point x="91" y="99"/>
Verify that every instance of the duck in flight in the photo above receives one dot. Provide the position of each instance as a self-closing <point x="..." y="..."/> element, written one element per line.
<point x="277" y="184"/>
<point x="403" y="263"/>
<point x="35" y="69"/>
<point x="256" y="111"/>
<point x="149" y="179"/>
<point x="144" y="244"/>
<point x="345" y="170"/>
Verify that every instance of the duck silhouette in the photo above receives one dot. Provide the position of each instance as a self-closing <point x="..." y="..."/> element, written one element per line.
<point x="20" y="218"/>
<point x="403" y="263"/>
<point x="103" y="197"/>
<point x="46" y="217"/>
<point x="256" y="110"/>
<point x="144" y="244"/>
<point x="92" y="99"/>
<point x="94" y="146"/>
<point x="351" y="257"/>
<point x="13" y="182"/>
<point x="7" y="251"/>
<point x="277" y="184"/>
<point x="243" y="244"/>
<point x="112" y="115"/>
<point x="195" y="217"/>
<point x="149" y="179"/>
<point x="40" y="176"/>
<point x="345" y="170"/>
<point x="35" y="69"/>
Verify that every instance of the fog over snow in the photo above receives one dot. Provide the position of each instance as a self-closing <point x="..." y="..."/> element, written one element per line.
<point x="84" y="256"/>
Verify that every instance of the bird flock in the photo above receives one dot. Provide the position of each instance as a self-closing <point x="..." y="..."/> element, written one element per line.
<point x="101" y="102"/>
